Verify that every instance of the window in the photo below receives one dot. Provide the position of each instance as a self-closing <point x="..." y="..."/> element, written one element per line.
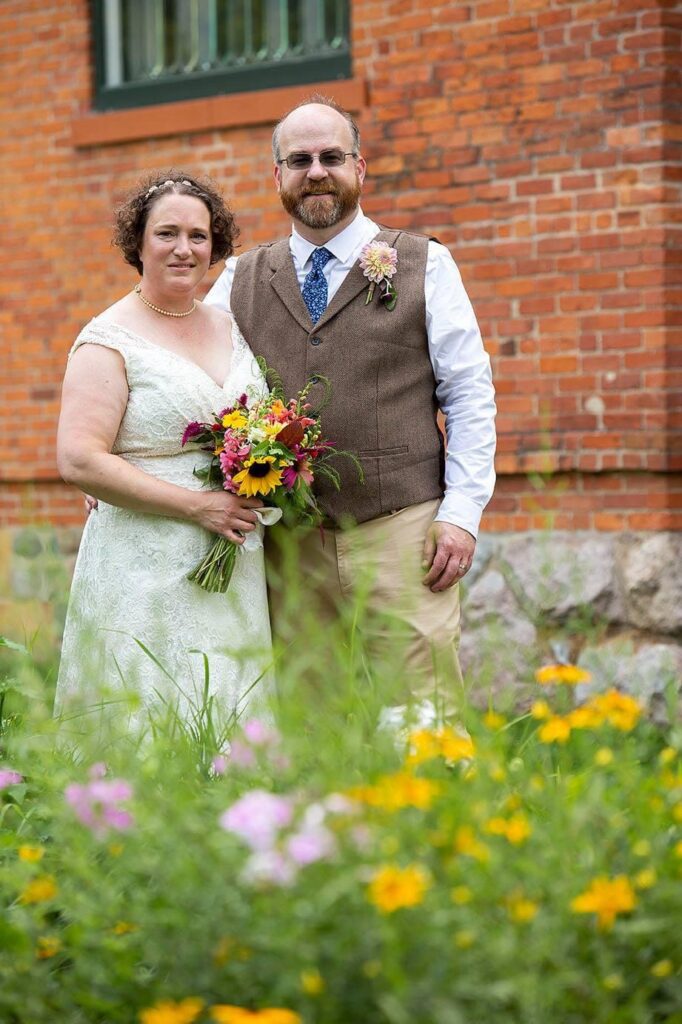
<point x="156" y="51"/>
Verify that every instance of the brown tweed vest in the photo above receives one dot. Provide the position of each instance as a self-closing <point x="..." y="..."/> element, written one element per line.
<point x="383" y="405"/>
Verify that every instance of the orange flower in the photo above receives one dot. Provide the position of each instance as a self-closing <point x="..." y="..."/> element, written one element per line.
<point x="569" y="675"/>
<point x="606" y="898"/>
<point x="393" y="887"/>
<point x="555" y="730"/>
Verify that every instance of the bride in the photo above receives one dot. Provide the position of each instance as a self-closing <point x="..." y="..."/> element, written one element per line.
<point x="136" y="376"/>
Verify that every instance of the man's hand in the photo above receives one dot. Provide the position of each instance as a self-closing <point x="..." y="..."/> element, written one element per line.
<point x="448" y="554"/>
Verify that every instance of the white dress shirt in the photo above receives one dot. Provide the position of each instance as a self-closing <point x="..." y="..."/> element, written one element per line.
<point x="461" y="366"/>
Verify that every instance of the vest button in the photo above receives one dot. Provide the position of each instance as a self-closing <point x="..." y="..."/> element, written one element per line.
<point x="316" y="341"/>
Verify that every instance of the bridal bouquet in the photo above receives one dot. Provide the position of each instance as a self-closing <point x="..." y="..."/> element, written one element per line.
<point x="270" y="449"/>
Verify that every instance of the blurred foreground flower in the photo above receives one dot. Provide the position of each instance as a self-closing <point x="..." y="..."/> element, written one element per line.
<point x="257" y="818"/>
<point x="606" y="897"/>
<point x="569" y="675"/>
<point x="9" y="778"/>
<point x="393" y="887"/>
<point x="225" y="1014"/>
<point x="168" y="1012"/>
<point x="97" y="804"/>
<point x="40" y="890"/>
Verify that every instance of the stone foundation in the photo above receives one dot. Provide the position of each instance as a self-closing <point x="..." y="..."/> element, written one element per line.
<point x="611" y="602"/>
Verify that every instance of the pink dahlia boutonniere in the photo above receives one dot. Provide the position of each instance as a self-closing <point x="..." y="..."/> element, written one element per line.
<point x="379" y="262"/>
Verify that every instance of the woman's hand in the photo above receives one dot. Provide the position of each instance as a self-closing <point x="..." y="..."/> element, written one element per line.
<point x="225" y="514"/>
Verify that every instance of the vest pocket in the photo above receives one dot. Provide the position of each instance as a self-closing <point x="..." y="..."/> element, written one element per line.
<point x="384" y="453"/>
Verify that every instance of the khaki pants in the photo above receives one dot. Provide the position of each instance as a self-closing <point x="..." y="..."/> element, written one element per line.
<point x="380" y="563"/>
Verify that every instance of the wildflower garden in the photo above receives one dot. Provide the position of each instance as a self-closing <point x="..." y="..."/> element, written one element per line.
<point x="310" y="865"/>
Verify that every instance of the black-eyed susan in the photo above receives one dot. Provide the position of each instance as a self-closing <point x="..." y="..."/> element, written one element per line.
<point x="260" y="476"/>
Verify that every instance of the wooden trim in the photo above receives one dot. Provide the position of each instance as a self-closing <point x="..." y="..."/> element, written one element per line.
<point x="234" y="111"/>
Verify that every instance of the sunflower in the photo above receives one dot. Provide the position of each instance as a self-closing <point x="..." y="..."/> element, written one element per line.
<point x="259" y="476"/>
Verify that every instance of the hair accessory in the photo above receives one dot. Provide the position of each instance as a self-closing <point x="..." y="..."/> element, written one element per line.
<point x="165" y="184"/>
<point x="157" y="309"/>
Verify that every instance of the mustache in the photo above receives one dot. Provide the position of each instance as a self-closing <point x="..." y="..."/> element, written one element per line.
<point x="319" y="190"/>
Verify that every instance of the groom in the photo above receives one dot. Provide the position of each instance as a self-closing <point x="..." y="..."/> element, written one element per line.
<point x="304" y="304"/>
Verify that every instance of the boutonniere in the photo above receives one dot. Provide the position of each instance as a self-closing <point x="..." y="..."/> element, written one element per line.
<point x="379" y="262"/>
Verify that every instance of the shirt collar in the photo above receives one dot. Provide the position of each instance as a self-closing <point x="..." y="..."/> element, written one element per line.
<point x="343" y="246"/>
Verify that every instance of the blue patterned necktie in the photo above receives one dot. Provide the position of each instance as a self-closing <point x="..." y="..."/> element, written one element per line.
<point x="314" y="289"/>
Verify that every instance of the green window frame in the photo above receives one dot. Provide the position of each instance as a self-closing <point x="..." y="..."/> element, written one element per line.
<point x="161" y="51"/>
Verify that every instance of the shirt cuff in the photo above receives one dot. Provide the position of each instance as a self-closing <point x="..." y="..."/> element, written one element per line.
<point x="461" y="511"/>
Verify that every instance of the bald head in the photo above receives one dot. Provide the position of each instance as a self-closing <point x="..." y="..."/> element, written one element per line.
<point x="315" y="114"/>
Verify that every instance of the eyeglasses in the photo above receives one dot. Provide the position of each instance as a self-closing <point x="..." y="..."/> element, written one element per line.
<point x="328" y="158"/>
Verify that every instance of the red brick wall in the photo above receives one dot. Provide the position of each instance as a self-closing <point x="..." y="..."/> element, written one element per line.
<point x="540" y="140"/>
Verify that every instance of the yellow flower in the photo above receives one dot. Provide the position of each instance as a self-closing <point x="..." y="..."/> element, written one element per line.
<point x="168" y="1012"/>
<point x="540" y="709"/>
<point x="662" y="968"/>
<point x="461" y="894"/>
<point x="115" y="849"/>
<point x="555" y="730"/>
<point x="393" y="887"/>
<point x="603" y="757"/>
<point x="393" y="792"/>
<point x="41" y="890"/>
<point x="569" y="675"/>
<point x="518" y="829"/>
<point x="606" y="898"/>
<point x="645" y="878"/>
<point x="427" y="744"/>
<point x="667" y="755"/>
<point x="31" y="854"/>
<point x="587" y="716"/>
<point x="515" y="829"/>
<point x="493" y="720"/>
<point x="617" y="709"/>
<point x="467" y="843"/>
<point x="48" y="946"/>
<point x="227" y="1014"/>
<point x="642" y="848"/>
<point x="521" y="909"/>
<point x="235" y="420"/>
<point x="613" y="982"/>
<point x="312" y="982"/>
<point x="678" y="848"/>
<point x="496" y="772"/>
<point x="677" y="812"/>
<point x="259" y="476"/>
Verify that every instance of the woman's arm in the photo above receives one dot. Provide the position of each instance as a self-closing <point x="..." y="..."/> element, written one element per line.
<point x="94" y="398"/>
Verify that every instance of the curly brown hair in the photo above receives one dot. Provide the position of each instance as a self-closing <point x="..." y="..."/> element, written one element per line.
<point x="131" y="217"/>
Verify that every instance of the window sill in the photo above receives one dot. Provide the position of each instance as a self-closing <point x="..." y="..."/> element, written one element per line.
<point x="232" y="111"/>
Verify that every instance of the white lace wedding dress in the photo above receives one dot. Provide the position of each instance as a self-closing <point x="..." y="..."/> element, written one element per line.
<point x="137" y="632"/>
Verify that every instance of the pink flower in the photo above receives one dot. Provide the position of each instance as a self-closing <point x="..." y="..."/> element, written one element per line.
<point x="191" y="430"/>
<point x="219" y="764"/>
<point x="9" y="778"/>
<point x="301" y="470"/>
<point x="97" y="804"/>
<point x="259" y="734"/>
<point x="379" y="261"/>
<point x="269" y="867"/>
<point x="310" y="845"/>
<point x="241" y="754"/>
<point x="257" y="818"/>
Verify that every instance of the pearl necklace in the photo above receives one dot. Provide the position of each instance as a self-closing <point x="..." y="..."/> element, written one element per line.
<point x="157" y="309"/>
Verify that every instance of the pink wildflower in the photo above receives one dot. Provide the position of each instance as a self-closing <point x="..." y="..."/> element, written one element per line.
<point x="241" y="754"/>
<point x="310" y="845"/>
<point x="97" y="804"/>
<point x="259" y="734"/>
<point x="257" y="818"/>
<point x="9" y="778"/>
<point x="219" y="764"/>
<point x="269" y="867"/>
